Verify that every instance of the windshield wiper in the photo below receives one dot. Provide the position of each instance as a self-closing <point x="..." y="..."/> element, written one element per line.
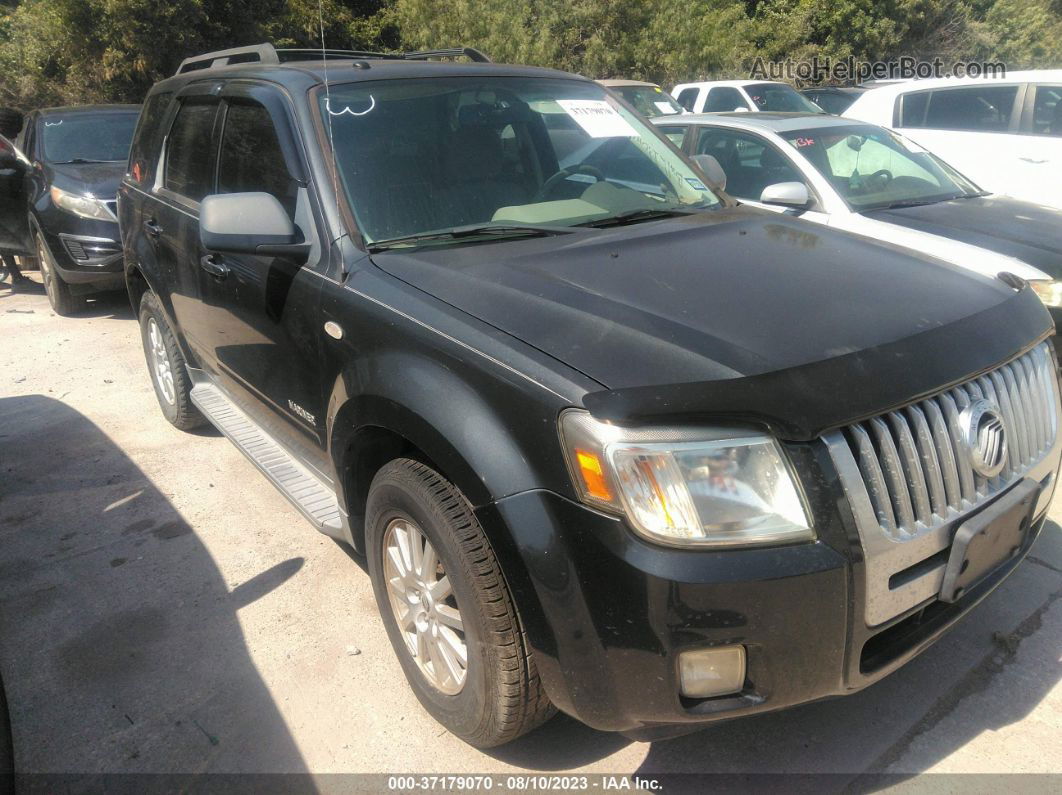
<point x="82" y="160"/>
<point x="472" y="230"/>
<point x="644" y="214"/>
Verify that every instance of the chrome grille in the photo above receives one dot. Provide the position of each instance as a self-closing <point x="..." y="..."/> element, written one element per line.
<point x="908" y="475"/>
<point x="914" y="464"/>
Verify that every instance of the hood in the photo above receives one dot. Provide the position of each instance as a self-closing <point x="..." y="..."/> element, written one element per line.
<point x="1029" y="232"/>
<point x="97" y="179"/>
<point x="717" y="295"/>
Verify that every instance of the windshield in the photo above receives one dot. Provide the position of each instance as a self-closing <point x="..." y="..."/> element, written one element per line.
<point x="419" y="156"/>
<point x="103" y="137"/>
<point x="650" y="101"/>
<point x="779" y="97"/>
<point x="874" y="168"/>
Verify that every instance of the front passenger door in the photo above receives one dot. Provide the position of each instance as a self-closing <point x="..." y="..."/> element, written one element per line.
<point x="260" y="311"/>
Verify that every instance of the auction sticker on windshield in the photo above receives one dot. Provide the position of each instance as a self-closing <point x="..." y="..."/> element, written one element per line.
<point x="598" y="118"/>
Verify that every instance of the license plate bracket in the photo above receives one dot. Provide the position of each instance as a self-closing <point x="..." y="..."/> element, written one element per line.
<point x="987" y="539"/>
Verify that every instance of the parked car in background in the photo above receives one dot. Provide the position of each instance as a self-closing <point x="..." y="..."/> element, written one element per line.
<point x="872" y="181"/>
<point x="78" y="156"/>
<point x="13" y="168"/>
<point x="609" y="443"/>
<point x="648" y="99"/>
<point x="1003" y="132"/>
<point x="833" y="99"/>
<point x="724" y="96"/>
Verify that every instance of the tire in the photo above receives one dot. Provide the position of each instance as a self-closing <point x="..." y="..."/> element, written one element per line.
<point x="173" y="386"/>
<point x="63" y="302"/>
<point x="501" y="696"/>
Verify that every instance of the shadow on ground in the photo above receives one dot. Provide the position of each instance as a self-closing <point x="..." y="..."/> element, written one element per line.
<point x="120" y="647"/>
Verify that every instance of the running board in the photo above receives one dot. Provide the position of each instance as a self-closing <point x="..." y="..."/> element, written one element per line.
<point x="295" y="481"/>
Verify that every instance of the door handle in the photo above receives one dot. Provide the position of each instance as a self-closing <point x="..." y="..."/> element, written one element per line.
<point x="152" y="227"/>
<point x="215" y="267"/>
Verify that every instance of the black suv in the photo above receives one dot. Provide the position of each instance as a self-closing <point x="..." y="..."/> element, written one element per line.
<point x="609" y="442"/>
<point x="77" y="158"/>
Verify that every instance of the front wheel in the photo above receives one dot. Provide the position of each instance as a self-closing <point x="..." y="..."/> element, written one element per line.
<point x="63" y="302"/>
<point x="447" y="609"/>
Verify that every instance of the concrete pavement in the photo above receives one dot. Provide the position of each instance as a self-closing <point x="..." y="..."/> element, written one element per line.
<point x="163" y="609"/>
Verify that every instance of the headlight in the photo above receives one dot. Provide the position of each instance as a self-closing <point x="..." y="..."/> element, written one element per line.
<point x="1050" y="291"/>
<point x="699" y="487"/>
<point x="83" y="206"/>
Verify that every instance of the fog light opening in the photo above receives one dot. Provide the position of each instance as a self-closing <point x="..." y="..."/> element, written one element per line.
<point x="704" y="673"/>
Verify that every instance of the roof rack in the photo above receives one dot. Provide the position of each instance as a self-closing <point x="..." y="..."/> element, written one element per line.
<point x="451" y="52"/>
<point x="268" y="54"/>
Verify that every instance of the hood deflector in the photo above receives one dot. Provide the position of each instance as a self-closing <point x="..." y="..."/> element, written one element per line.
<point x="801" y="403"/>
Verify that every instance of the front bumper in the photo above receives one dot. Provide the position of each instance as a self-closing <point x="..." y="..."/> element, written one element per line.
<point x="607" y="613"/>
<point x="87" y="253"/>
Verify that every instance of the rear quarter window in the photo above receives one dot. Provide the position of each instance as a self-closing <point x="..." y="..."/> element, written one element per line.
<point x="144" y="153"/>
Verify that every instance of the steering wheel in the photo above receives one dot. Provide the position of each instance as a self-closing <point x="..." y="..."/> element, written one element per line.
<point x="878" y="181"/>
<point x="550" y="184"/>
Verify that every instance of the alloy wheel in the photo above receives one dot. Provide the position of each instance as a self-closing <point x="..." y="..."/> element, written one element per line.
<point x="424" y="606"/>
<point x="160" y="362"/>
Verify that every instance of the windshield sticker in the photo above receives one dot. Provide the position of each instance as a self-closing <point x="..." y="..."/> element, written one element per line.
<point x="53" y="123"/>
<point x="347" y="109"/>
<point x="800" y="143"/>
<point x="598" y="118"/>
<point x="695" y="183"/>
<point x="665" y="107"/>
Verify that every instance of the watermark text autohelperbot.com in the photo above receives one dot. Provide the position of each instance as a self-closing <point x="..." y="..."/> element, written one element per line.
<point x="848" y="70"/>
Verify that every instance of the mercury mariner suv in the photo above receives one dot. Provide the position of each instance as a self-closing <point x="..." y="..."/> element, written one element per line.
<point x="609" y="442"/>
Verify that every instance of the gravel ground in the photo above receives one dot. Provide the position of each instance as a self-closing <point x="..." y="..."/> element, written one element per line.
<point x="163" y="609"/>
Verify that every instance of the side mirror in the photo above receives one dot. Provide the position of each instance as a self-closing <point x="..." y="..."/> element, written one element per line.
<point x="249" y="223"/>
<point x="711" y="169"/>
<point x="787" y="194"/>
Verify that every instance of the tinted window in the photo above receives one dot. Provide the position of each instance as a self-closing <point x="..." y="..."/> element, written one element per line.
<point x="687" y="97"/>
<point x="1047" y="111"/>
<point x="830" y="102"/>
<point x="251" y="158"/>
<point x="144" y="155"/>
<point x="724" y="99"/>
<point x="913" y="109"/>
<point x="974" y="108"/>
<point x="102" y="137"/>
<point x="750" y="163"/>
<point x="779" y="97"/>
<point x="189" y="163"/>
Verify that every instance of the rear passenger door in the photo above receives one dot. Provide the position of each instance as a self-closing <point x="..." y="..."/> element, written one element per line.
<point x="260" y="312"/>
<point x="1040" y="158"/>
<point x="169" y="219"/>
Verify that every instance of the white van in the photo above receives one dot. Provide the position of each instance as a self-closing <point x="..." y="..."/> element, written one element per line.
<point x="1005" y="133"/>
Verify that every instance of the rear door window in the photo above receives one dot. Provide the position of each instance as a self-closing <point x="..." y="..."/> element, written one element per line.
<point x="189" y="151"/>
<point x="986" y="108"/>
<point x="250" y="159"/>
<point x="724" y="99"/>
<point x="1047" y="111"/>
